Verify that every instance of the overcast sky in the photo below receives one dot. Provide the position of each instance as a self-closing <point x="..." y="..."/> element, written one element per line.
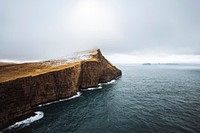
<point x="127" y="31"/>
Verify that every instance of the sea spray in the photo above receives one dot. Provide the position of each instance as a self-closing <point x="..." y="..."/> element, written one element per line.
<point x="78" y="94"/>
<point x="38" y="115"/>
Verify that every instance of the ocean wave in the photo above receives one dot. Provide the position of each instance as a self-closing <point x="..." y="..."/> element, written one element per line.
<point x="100" y="86"/>
<point x="110" y="82"/>
<point x="75" y="96"/>
<point x="92" y="88"/>
<point x="39" y="115"/>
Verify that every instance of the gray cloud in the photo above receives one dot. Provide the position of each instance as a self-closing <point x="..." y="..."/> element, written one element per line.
<point x="41" y="29"/>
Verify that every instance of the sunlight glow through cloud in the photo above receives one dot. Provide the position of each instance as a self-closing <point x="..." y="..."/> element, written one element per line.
<point x="93" y="20"/>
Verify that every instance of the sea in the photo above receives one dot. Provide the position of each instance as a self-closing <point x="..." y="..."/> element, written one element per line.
<point x="146" y="99"/>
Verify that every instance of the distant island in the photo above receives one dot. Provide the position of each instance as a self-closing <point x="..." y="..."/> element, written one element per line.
<point x="24" y="86"/>
<point x="146" y="64"/>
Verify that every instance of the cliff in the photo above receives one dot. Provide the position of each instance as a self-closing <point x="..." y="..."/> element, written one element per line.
<point x="24" y="86"/>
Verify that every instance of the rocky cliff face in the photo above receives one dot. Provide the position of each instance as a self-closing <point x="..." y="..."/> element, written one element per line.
<point x="18" y="96"/>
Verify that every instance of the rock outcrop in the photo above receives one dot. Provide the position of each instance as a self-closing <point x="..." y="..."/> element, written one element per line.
<point x="24" y="86"/>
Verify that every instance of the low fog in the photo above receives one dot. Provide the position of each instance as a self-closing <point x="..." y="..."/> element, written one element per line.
<point x="127" y="31"/>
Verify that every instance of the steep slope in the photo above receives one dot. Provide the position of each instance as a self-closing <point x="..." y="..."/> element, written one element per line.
<point x="24" y="86"/>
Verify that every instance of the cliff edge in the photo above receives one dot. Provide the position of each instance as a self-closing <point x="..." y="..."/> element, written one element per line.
<point x="24" y="86"/>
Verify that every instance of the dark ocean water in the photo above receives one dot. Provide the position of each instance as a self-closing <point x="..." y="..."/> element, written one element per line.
<point x="149" y="99"/>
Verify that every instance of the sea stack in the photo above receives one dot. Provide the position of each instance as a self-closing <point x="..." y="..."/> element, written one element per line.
<point x="24" y="86"/>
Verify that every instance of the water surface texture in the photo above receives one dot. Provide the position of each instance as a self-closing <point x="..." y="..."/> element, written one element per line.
<point x="155" y="98"/>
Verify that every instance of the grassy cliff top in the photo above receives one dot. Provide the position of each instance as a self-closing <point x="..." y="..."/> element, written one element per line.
<point x="14" y="71"/>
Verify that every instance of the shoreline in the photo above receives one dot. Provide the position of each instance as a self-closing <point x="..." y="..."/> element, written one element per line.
<point x="39" y="114"/>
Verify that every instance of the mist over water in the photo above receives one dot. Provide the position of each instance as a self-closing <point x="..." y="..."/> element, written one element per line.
<point x="156" y="98"/>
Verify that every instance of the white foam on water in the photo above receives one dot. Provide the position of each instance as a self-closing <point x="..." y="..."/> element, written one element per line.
<point x="75" y="96"/>
<point x="100" y="86"/>
<point x="92" y="88"/>
<point x="78" y="94"/>
<point x="39" y="115"/>
<point x="110" y="82"/>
